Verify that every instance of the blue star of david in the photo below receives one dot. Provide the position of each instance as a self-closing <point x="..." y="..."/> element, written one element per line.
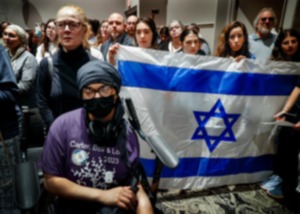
<point x="202" y="118"/>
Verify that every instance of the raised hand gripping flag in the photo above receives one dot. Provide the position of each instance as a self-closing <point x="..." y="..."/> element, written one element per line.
<point x="209" y="110"/>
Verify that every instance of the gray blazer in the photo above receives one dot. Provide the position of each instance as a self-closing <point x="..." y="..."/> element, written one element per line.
<point x="25" y="65"/>
<point x="123" y="39"/>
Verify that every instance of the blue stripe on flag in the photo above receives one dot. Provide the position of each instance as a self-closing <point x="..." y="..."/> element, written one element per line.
<point x="136" y="74"/>
<point x="200" y="166"/>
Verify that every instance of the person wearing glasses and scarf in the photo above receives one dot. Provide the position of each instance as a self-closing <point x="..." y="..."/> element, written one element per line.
<point x="262" y="41"/>
<point x="91" y="154"/>
<point x="57" y="91"/>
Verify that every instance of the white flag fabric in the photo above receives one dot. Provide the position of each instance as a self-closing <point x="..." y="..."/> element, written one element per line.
<point x="210" y="110"/>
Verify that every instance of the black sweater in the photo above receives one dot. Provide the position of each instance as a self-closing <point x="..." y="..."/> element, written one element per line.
<point x="57" y="92"/>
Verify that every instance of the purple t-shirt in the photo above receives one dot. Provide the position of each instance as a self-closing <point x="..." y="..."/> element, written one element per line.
<point x="69" y="152"/>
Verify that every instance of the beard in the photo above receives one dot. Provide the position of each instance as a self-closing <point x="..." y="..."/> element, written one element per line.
<point x="115" y="34"/>
<point x="264" y="31"/>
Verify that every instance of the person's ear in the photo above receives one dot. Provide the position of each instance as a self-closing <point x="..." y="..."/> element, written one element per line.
<point x="116" y="97"/>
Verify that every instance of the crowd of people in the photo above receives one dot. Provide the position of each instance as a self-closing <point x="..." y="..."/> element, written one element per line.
<point x="69" y="75"/>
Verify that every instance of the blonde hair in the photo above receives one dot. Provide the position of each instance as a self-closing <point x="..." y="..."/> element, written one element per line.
<point x="84" y="21"/>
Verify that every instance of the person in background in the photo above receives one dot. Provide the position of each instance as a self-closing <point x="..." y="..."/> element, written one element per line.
<point x="91" y="154"/>
<point x="23" y="62"/>
<point x="41" y="34"/>
<point x="10" y="113"/>
<point x="131" y="24"/>
<point x="116" y="27"/>
<point x="262" y="41"/>
<point x="146" y="36"/>
<point x="204" y="44"/>
<point x="175" y="28"/>
<point x="102" y="35"/>
<point x="94" y="24"/>
<point x="33" y="42"/>
<point x="50" y="43"/>
<point x="3" y="25"/>
<point x="233" y="42"/>
<point x="191" y="42"/>
<point x="164" y="35"/>
<point x="57" y="90"/>
<point x="284" y="181"/>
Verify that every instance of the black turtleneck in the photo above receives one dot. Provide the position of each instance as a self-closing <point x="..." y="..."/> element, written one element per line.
<point x="74" y="58"/>
<point x="62" y="95"/>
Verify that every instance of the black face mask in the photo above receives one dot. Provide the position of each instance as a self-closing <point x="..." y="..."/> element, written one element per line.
<point x="99" y="107"/>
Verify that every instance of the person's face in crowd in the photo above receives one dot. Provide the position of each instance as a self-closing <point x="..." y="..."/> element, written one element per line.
<point x="143" y="35"/>
<point x="51" y="31"/>
<point x="265" y="22"/>
<point x="104" y="31"/>
<point x="11" y="39"/>
<point x="290" y="45"/>
<point x="236" y="39"/>
<point x="97" y="91"/>
<point x="116" y="25"/>
<point x="70" y="28"/>
<point x="34" y="39"/>
<point x="175" y="30"/>
<point x="131" y="24"/>
<point x="191" y="44"/>
<point x="42" y="27"/>
<point x="164" y="37"/>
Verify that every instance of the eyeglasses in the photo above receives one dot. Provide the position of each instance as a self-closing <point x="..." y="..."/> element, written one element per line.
<point x="271" y="19"/>
<point x="72" y="25"/>
<point x="103" y="91"/>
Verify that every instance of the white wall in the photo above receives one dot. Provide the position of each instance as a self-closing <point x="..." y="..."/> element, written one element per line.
<point x="212" y="15"/>
<point x="201" y="12"/>
<point x="146" y="6"/>
<point x="42" y="10"/>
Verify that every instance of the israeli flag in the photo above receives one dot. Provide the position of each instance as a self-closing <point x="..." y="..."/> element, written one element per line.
<point x="209" y="110"/>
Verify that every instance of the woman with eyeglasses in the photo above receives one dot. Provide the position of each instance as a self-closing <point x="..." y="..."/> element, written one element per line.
<point x="284" y="181"/>
<point x="175" y="45"/>
<point x="56" y="76"/>
<point x="233" y="42"/>
<point x="50" y="41"/>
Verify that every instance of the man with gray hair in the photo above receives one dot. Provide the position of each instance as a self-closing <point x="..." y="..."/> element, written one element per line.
<point x="262" y="41"/>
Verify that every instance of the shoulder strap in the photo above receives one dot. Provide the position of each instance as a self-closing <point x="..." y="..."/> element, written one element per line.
<point x="89" y="52"/>
<point x="50" y="66"/>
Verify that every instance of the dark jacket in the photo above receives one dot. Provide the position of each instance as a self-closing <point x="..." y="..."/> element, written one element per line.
<point x="9" y="111"/>
<point x="57" y="92"/>
<point x="123" y="39"/>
